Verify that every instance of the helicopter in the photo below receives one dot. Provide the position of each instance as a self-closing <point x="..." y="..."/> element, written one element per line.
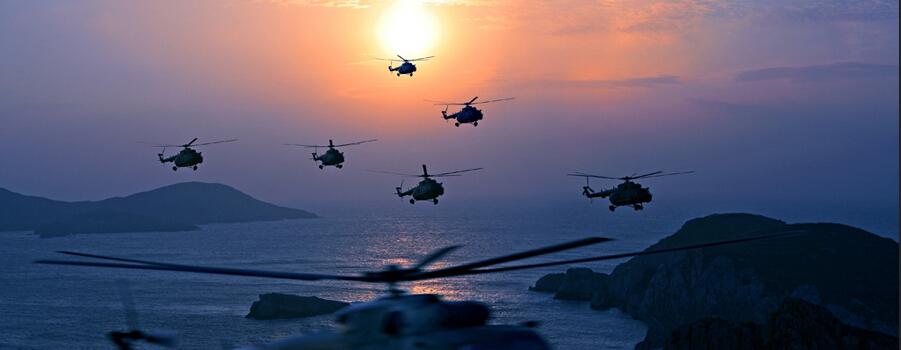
<point x="428" y="188"/>
<point x="404" y="68"/>
<point x="410" y="321"/>
<point x="331" y="157"/>
<point x="468" y="114"/>
<point x="187" y="157"/>
<point x="627" y="193"/>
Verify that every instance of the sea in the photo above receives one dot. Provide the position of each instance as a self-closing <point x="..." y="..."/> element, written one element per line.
<point x="64" y="307"/>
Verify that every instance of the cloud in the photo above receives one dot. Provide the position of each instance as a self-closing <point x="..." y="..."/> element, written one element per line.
<point x="639" y="82"/>
<point x="834" y="71"/>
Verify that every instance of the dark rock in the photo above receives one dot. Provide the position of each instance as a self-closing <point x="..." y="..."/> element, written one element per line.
<point x="580" y="284"/>
<point x="851" y="272"/>
<point x="796" y="324"/>
<point x="550" y="283"/>
<point x="273" y="306"/>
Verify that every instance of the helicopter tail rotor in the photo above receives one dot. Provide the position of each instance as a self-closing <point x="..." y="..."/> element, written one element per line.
<point x="399" y="189"/>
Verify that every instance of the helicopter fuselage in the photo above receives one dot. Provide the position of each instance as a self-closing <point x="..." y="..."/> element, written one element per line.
<point x="625" y="194"/>
<point x="467" y="115"/>
<point x="404" y="68"/>
<point x="427" y="189"/>
<point x="420" y="321"/>
<point x="187" y="157"/>
<point x="332" y="157"/>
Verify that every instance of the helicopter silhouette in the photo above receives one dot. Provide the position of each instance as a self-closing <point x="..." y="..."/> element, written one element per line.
<point x="187" y="157"/>
<point x="428" y="188"/>
<point x="417" y="321"/>
<point x="331" y="157"/>
<point x="407" y="67"/>
<point x="468" y="114"/>
<point x="628" y="193"/>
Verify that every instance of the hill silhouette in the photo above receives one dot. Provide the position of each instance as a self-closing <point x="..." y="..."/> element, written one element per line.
<point x="172" y="207"/>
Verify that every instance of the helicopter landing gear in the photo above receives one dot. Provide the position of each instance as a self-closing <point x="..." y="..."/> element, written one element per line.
<point x="398" y="74"/>
<point x="475" y="123"/>
<point x="174" y="168"/>
<point x="195" y="168"/>
<point x="411" y="74"/>
<point x="412" y="201"/>
<point x="457" y="124"/>
<point x="435" y="201"/>
<point x="321" y="167"/>
<point x="638" y="207"/>
<point x="339" y="166"/>
<point x="612" y="208"/>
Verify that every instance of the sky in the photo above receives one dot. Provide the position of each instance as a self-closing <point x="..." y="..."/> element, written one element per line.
<point x="792" y="103"/>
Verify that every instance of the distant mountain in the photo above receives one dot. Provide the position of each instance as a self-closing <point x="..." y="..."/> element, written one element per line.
<point x="167" y="208"/>
<point x="850" y="272"/>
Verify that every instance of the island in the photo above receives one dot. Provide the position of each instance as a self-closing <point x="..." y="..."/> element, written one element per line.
<point x="272" y="306"/>
<point x="178" y="207"/>
<point x="849" y="272"/>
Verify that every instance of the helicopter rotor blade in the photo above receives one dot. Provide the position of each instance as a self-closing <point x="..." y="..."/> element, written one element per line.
<point x="472" y="100"/>
<point x="463" y="269"/>
<point x="594" y="176"/>
<point x="355" y="143"/>
<point x="151" y="144"/>
<point x="434" y="256"/>
<point x="161" y="266"/>
<point x="495" y="100"/>
<point x="393" y="173"/>
<point x="213" y="143"/>
<point x="307" y="146"/>
<point x="131" y="314"/>
<point x="645" y="252"/>
<point x="667" y="174"/>
<point x="636" y="176"/>
<point x="402" y="58"/>
<point x="454" y="173"/>
<point x="418" y="59"/>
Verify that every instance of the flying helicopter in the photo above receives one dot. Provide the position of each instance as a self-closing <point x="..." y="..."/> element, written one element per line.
<point x="627" y="193"/>
<point x="428" y="188"/>
<point x="468" y="114"/>
<point x="407" y="67"/>
<point x="417" y="321"/>
<point x="331" y="157"/>
<point x="187" y="157"/>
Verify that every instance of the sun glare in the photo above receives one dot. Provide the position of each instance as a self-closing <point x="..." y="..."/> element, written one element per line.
<point x="408" y="29"/>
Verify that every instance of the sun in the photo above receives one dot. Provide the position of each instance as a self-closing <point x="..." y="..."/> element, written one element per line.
<point x="408" y="29"/>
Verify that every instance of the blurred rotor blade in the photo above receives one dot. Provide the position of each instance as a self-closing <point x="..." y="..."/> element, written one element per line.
<point x="472" y="100"/>
<point x="393" y="173"/>
<point x="151" y="144"/>
<point x="214" y="142"/>
<point x="645" y="252"/>
<point x="356" y="143"/>
<point x="418" y="59"/>
<point x="668" y="174"/>
<point x="452" y="173"/>
<point x="496" y="100"/>
<point x="434" y="256"/>
<point x="307" y="146"/>
<point x="151" y="265"/>
<point x="634" y="176"/>
<point x="464" y="269"/>
<point x="131" y="314"/>
<point x="191" y="143"/>
<point x="595" y="176"/>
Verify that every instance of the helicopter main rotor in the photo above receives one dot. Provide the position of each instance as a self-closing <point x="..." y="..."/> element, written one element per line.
<point x="425" y="173"/>
<point x="470" y="102"/>
<point x="394" y="274"/>
<point x="190" y="144"/>
<point x="331" y="144"/>
<point x="631" y="177"/>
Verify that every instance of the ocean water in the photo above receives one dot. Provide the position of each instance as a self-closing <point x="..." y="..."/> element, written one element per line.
<point x="60" y="307"/>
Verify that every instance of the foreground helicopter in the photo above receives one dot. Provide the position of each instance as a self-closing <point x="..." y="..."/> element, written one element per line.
<point x="468" y="114"/>
<point x="627" y="193"/>
<point x="187" y="157"/>
<point x="405" y="68"/>
<point x="331" y="157"/>
<point x="427" y="189"/>
<point x="419" y="321"/>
